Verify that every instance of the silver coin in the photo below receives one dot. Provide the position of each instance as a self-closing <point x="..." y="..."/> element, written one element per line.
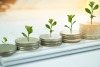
<point x="71" y="41"/>
<point x="7" y="49"/>
<point x="23" y="44"/>
<point x="46" y="40"/>
<point x="47" y="37"/>
<point x="52" y="41"/>
<point x="24" y="40"/>
<point x="51" y="44"/>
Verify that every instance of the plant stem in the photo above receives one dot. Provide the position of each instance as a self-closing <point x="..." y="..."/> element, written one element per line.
<point x="91" y="20"/>
<point x="91" y="14"/>
<point x="28" y="37"/>
<point x="50" y="34"/>
<point x="50" y="31"/>
<point x="71" y="28"/>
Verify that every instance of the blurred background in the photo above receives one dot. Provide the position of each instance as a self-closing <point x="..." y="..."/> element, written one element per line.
<point x="15" y="14"/>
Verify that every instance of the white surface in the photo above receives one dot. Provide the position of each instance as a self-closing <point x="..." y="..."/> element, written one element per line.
<point x="88" y="59"/>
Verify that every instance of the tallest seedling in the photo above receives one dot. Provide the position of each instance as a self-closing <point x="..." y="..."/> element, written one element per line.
<point x="93" y="7"/>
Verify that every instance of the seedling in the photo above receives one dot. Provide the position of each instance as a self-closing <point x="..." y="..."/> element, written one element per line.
<point x="70" y="18"/>
<point x="29" y="31"/>
<point x="93" y="7"/>
<point x="52" y="23"/>
<point x="4" y="40"/>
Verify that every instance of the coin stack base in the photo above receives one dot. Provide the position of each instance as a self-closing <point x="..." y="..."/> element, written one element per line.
<point x="70" y="38"/>
<point x="23" y="44"/>
<point x="7" y="49"/>
<point x="54" y="40"/>
<point x="90" y="31"/>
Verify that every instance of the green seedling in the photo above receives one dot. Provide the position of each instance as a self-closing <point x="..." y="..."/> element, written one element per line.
<point x="52" y="23"/>
<point x="4" y="40"/>
<point x="29" y="31"/>
<point x="70" y="18"/>
<point x="93" y="7"/>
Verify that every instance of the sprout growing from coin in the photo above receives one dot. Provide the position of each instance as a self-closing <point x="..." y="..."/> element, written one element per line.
<point x="93" y="7"/>
<point x="29" y="31"/>
<point x="70" y="20"/>
<point x="50" y="25"/>
<point x="4" y="40"/>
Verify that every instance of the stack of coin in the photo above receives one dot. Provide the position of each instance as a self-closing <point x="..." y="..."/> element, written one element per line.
<point x="7" y="49"/>
<point x="23" y="44"/>
<point x="70" y="38"/>
<point x="54" y="40"/>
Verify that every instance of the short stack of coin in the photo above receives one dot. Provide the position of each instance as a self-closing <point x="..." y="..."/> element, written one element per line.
<point x="7" y="49"/>
<point x="23" y="44"/>
<point x="70" y="38"/>
<point x="54" y="40"/>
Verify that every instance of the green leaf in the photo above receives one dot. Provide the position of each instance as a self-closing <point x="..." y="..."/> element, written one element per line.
<point x="24" y="34"/>
<point x="67" y="26"/>
<point x="96" y="7"/>
<point x="29" y="29"/>
<point x="69" y="18"/>
<point x="74" y="22"/>
<point x="47" y="26"/>
<point x="87" y="10"/>
<point x="54" y="23"/>
<point x="5" y="39"/>
<point x="91" y="4"/>
<point x="72" y="16"/>
<point x="3" y="42"/>
<point x="50" y="21"/>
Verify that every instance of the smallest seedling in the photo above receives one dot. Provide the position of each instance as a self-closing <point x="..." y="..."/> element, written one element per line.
<point x="29" y="31"/>
<point x="4" y="40"/>
<point x="70" y="18"/>
<point x="52" y="23"/>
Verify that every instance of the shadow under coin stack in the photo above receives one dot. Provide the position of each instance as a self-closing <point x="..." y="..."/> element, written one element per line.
<point x="54" y="40"/>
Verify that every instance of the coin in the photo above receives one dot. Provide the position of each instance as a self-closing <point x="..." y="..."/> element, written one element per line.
<point x="70" y="37"/>
<point x="71" y="41"/>
<point x="51" y="44"/>
<point x="46" y="40"/>
<point x="23" y="44"/>
<point x="7" y="49"/>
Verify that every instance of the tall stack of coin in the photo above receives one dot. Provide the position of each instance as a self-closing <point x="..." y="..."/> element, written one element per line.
<point x="70" y="37"/>
<point x="90" y="32"/>
<point x="23" y="44"/>
<point x="7" y="49"/>
<point x="54" y="40"/>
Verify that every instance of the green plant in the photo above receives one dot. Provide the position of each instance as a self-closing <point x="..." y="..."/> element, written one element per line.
<point x="52" y="23"/>
<point x="70" y="18"/>
<point x="93" y="7"/>
<point x="29" y="31"/>
<point x="4" y="40"/>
